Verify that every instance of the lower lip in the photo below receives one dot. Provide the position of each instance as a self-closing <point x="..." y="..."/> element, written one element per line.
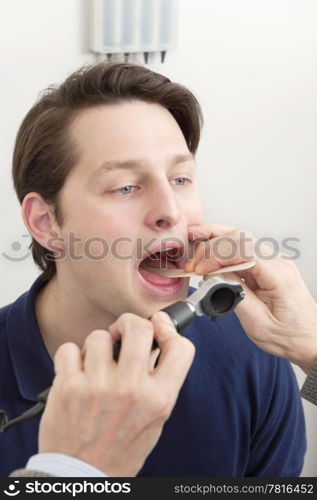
<point x="161" y="287"/>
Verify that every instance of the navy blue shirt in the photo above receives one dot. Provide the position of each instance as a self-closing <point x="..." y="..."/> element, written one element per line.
<point x="239" y="411"/>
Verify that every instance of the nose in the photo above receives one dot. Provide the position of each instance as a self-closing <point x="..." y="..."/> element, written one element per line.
<point x="164" y="210"/>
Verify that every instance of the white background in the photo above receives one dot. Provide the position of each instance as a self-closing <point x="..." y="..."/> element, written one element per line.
<point x="253" y="66"/>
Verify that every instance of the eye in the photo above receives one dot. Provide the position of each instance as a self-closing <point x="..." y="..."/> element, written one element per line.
<point x="125" y="190"/>
<point x="181" y="181"/>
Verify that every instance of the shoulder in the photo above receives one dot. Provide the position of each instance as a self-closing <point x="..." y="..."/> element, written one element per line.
<point x="4" y="311"/>
<point x="11" y="309"/>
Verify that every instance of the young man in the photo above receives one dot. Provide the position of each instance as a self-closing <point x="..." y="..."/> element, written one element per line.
<point x="107" y="161"/>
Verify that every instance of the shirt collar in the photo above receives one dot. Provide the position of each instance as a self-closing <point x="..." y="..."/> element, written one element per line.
<point x="33" y="366"/>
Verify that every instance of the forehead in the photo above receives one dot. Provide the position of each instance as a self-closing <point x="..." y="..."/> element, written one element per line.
<point x="118" y="130"/>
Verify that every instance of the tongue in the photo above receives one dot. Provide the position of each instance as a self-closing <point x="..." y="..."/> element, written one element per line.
<point x="159" y="261"/>
<point x="156" y="279"/>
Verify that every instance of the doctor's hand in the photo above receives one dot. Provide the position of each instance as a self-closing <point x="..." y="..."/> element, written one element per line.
<point x="278" y="313"/>
<point x="111" y="414"/>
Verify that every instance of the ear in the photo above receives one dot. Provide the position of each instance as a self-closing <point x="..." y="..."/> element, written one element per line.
<point x="40" y="222"/>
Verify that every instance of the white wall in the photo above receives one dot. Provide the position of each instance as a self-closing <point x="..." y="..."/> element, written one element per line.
<point x="252" y="65"/>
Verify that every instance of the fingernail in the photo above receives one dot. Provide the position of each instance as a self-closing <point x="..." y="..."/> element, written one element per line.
<point x="190" y="266"/>
<point x="163" y="316"/>
<point x="199" y="269"/>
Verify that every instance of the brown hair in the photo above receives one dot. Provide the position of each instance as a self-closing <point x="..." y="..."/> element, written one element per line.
<point x="44" y="154"/>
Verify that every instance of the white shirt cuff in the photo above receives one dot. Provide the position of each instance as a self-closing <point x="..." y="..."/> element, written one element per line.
<point x="59" y="465"/>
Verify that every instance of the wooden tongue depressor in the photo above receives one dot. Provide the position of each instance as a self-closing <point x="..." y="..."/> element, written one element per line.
<point x="181" y="273"/>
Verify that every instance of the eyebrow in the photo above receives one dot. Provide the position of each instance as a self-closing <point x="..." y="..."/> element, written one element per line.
<point x="137" y="164"/>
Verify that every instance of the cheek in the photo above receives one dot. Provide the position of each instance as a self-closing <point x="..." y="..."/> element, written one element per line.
<point x="94" y="218"/>
<point x="194" y="209"/>
<point x="95" y="231"/>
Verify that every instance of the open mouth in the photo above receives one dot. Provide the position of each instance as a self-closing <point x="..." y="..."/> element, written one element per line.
<point x="170" y="258"/>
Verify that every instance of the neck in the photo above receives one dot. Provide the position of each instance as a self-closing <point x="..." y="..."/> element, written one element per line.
<point x="64" y="314"/>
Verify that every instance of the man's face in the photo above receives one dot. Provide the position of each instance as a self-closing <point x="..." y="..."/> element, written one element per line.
<point x="128" y="197"/>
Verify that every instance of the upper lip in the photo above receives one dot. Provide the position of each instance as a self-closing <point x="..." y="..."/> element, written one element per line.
<point x="162" y="246"/>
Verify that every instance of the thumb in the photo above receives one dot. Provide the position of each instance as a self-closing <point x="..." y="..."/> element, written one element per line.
<point x="164" y="327"/>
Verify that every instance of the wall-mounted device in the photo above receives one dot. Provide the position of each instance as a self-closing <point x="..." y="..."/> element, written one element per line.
<point x="134" y="26"/>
